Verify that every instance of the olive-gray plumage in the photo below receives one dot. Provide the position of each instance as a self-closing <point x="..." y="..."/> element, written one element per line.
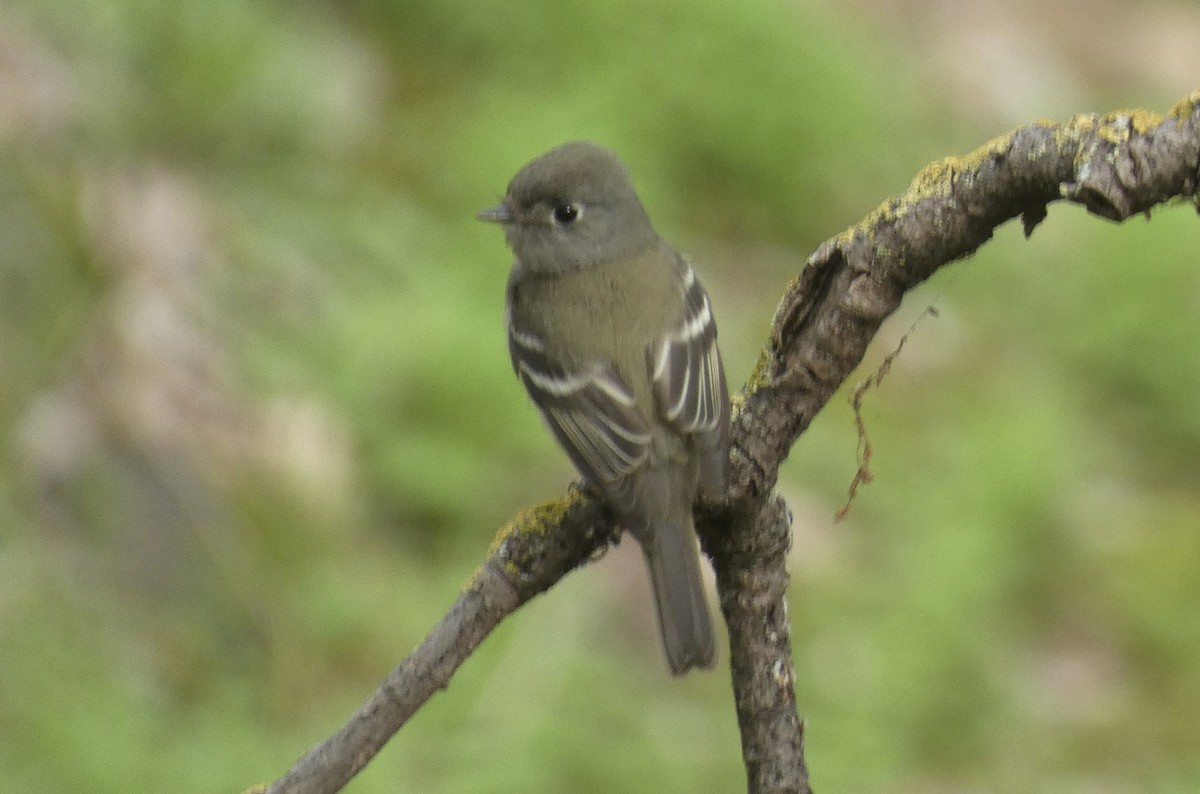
<point x="613" y="337"/>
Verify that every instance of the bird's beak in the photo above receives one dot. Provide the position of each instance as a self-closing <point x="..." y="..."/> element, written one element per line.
<point x="496" y="214"/>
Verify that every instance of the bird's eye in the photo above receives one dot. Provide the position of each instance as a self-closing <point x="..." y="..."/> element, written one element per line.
<point x="566" y="213"/>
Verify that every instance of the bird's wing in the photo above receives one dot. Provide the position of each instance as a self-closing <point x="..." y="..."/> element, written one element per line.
<point x="591" y="412"/>
<point x="689" y="381"/>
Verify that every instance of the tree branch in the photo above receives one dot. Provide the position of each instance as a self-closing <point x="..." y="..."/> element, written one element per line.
<point x="750" y="558"/>
<point x="528" y="556"/>
<point x="1115" y="165"/>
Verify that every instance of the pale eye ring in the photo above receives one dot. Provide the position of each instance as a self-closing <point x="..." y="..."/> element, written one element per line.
<point x="566" y="213"/>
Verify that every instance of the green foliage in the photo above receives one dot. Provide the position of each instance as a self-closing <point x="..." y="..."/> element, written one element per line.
<point x="263" y="424"/>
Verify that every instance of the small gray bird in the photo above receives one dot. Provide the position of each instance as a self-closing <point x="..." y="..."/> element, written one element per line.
<point x="614" y="339"/>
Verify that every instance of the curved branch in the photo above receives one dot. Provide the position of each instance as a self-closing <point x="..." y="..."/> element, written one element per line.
<point x="1115" y="165"/>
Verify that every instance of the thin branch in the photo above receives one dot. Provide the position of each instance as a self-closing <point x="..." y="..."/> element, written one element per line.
<point x="1116" y="166"/>
<point x="529" y="555"/>
<point x="330" y="765"/>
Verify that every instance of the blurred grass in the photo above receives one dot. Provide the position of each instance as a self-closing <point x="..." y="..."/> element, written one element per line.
<point x="261" y="421"/>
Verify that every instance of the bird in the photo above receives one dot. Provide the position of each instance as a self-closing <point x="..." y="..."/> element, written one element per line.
<point x="614" y="339"/>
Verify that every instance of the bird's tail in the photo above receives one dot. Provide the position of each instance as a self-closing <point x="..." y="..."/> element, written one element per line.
<point x="668" y="542"/>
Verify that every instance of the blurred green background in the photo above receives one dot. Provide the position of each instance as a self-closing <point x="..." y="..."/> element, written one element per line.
<point x="259" y="423"/>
